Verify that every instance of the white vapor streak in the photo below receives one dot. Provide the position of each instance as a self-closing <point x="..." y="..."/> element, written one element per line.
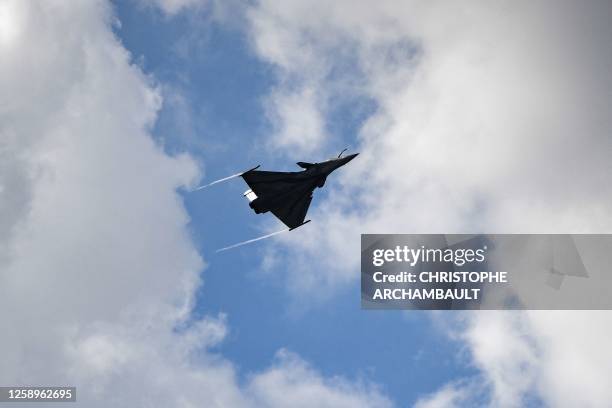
<point x="218" y="181"/>
<point x="252" y="240"/>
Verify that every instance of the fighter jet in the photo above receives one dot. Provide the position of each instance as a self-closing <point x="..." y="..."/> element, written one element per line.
<point x="287" y="195"/>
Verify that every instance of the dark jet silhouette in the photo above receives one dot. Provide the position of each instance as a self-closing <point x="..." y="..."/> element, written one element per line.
<point x="288" y="194"/>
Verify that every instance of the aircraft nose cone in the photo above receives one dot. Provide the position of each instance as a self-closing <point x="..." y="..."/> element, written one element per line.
<point x="343" y="160"/>
<point x="351" y="157"/>
<point x="348" y="158"/>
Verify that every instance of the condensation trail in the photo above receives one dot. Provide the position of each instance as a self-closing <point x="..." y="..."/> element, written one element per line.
<point x="252" y="240"/>
<point x="218" y="181"/>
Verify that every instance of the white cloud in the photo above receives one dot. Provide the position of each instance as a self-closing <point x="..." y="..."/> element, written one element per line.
<point x="559" y="356"/>
<point x="490" y="117"/>
<point x="97" y="269"/>
<point x="298" y="123"/>
<point x="450" y="396"/>
<point x="502" y="348"/>
<point x="291" y="382"/>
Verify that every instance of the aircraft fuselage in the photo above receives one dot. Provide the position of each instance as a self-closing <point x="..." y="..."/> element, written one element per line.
<point x="303" y="182"/>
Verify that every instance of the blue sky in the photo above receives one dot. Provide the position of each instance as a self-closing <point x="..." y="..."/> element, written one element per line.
<point x="224" y="85"/>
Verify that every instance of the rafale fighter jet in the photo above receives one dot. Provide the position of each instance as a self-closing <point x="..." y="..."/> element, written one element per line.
<point x="287" y="195"/>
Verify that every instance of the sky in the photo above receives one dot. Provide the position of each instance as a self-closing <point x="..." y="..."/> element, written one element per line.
<point x="469" y="117"/>
<point x="224" y="77"/>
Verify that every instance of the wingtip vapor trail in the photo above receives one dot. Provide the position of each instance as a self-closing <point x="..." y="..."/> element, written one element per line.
<point x="218" y="181"/>
<point x="224" y="179"/>
<point x="251" y="240"/>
